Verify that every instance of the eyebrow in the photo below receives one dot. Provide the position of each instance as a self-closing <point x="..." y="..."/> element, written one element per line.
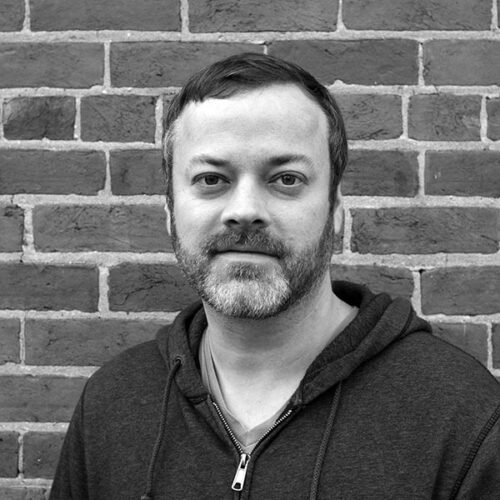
<point x="207" y="159"/>
<point x="274" y="161"/>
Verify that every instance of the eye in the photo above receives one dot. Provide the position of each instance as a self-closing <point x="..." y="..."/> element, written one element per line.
<point x="288" y="179"/>
<point x="208" y="179"/>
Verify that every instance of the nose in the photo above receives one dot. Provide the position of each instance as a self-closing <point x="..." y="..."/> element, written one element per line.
<point x="246" y="207"/>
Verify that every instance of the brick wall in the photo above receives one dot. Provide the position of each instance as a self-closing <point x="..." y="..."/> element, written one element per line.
<point x="86" y="267"/>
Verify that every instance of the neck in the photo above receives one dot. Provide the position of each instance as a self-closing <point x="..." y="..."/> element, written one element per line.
<point x="279" y="347"/>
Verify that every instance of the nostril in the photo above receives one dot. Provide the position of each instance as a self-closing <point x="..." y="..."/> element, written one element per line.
<point x="244" y="222"/>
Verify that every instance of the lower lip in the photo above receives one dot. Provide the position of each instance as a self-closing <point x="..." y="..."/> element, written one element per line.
<point x="246" y="256"/>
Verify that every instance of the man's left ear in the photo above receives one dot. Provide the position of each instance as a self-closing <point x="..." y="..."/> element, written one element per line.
<point x="169" y="218"/>
<point x="338" y="211"/>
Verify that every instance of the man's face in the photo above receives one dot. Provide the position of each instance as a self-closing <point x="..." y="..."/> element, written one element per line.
<point x="251" y="224"/>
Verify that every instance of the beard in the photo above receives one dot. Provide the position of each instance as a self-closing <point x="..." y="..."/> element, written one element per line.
<point x="249" y="290"/>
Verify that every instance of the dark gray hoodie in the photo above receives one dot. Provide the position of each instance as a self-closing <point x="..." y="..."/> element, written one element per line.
<point x="386" y="411"/>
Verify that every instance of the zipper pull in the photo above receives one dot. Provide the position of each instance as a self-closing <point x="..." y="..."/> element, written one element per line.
<point x="241" y="472"/>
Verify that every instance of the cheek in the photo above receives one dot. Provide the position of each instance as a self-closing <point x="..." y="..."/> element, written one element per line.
<point x="306" y="223"/>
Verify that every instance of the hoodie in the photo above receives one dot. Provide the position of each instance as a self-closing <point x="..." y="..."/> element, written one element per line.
<point x="386" y="411"/>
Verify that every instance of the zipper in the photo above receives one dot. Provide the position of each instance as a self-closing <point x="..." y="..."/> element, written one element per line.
<point x="241" y="469"/>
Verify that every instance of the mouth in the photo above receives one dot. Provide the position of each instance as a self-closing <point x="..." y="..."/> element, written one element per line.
<point x="245" y="250"/>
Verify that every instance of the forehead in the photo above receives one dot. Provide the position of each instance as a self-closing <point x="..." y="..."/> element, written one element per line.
<point x="265" y="113"/>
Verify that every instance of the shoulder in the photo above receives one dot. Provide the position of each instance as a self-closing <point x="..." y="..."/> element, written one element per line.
<point x="427" y="372"/>
<point x="139" y="370"/>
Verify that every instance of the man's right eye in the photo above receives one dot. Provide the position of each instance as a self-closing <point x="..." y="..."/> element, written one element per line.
<point x="207" y="179"/>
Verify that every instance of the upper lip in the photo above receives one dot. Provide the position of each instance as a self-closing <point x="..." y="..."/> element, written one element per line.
<point x="246" y="249"/>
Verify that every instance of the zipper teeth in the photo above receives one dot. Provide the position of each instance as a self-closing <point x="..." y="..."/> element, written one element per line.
<point x="228" y="429"/>
<point x="233" y="437"/>
<point x="276" y="423"/>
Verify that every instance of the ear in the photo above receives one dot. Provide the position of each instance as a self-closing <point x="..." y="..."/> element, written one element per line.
<point x="169" y="218"/>
<point x="338" y="211"/>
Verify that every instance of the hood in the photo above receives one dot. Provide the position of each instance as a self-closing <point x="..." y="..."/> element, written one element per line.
<point x="379" y="322"/>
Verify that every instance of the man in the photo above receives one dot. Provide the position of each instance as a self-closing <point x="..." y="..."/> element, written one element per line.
<point x="278" y="385"/>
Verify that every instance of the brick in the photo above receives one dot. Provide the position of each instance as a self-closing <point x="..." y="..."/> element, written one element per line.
<point x="122" y="228"/>
<point x="8" y="454"/>
<point x="148" y="287"/>
<point x="51" y="172"/>
<point x="493" y="111"/>
<point x="366" y="62"/>
<point x="9" y="341"/>
<point x="118" y="118"/>
<point x="470" y="338"/>
<point x="370" y="117"/>
<point x="11" y="228"/>
<point x="83" y="342"/>
<point x="39" y="118"/>
<point x="12" y="15"/>
<point x="146" y="15"/>
<point x="381" y="173"/>
<point x="421" y="15"/>
<point x="48" y="287"/>
<point x="28" y="398"/>
<point x="394" y="281"/>
<point x="462" y="62"/>
<point x="164" y="64"/>
<point x="255" y="15"/>
<point x="70" y="65"/>
<point x="461" y="290"/>
<point x="425" y="230"/>
<point x="137" y="172"/>
<point x="23" y="493"/>
<point x="495" y="340"/>
<point x="444" y="118"/>
<point x="463" y="173"/>
<point x="41" y="453"/>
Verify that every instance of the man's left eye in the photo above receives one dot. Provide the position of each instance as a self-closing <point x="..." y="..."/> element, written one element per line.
<point x="288" y="180"/>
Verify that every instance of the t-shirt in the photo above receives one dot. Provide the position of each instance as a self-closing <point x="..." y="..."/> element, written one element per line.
<point x="247" y="437"/>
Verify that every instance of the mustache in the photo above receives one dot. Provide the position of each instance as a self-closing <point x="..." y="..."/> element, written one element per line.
<point x="256" y="240"/>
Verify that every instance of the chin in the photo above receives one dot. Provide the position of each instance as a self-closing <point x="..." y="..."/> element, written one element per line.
<point x="248" y="298"/>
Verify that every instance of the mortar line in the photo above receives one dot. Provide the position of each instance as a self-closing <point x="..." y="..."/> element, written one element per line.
<point x="24" y="427"/>
<point x="66" y="371"/>
<point x="22" y="339"/>
<point x="340" y="20"/>
<point x="489" y="345"/>
<point x="111" y="36"/>
<point x="405" y="104"/>
<point x="25" y="483"/>
<point x="1" y="119"/>
<point x="483" y="121"/>
<point x="184" y="13"/>
<point x="78" y="119"/>
<point x="416" y="297"/>
<point x="159" y="121"/>
<point x="338" y="87"/>
<point x="27" y="17"/>
<point x="421" y="174"/>
<point x="346" y="242"/>
<point x="103" y="305"/>
<point x="105" y="192"/>
<point x="353" y="201"/>
<point x="421" y="80"/>
<point x="494" y="16"/>
<point x="107" y="66"/>
<point x="28" y="238"/>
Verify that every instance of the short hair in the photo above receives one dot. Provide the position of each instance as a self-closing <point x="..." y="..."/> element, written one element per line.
<point x="247" y="71"/>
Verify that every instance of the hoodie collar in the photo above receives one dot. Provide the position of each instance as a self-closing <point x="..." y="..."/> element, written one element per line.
<point x="380" y="321"/>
